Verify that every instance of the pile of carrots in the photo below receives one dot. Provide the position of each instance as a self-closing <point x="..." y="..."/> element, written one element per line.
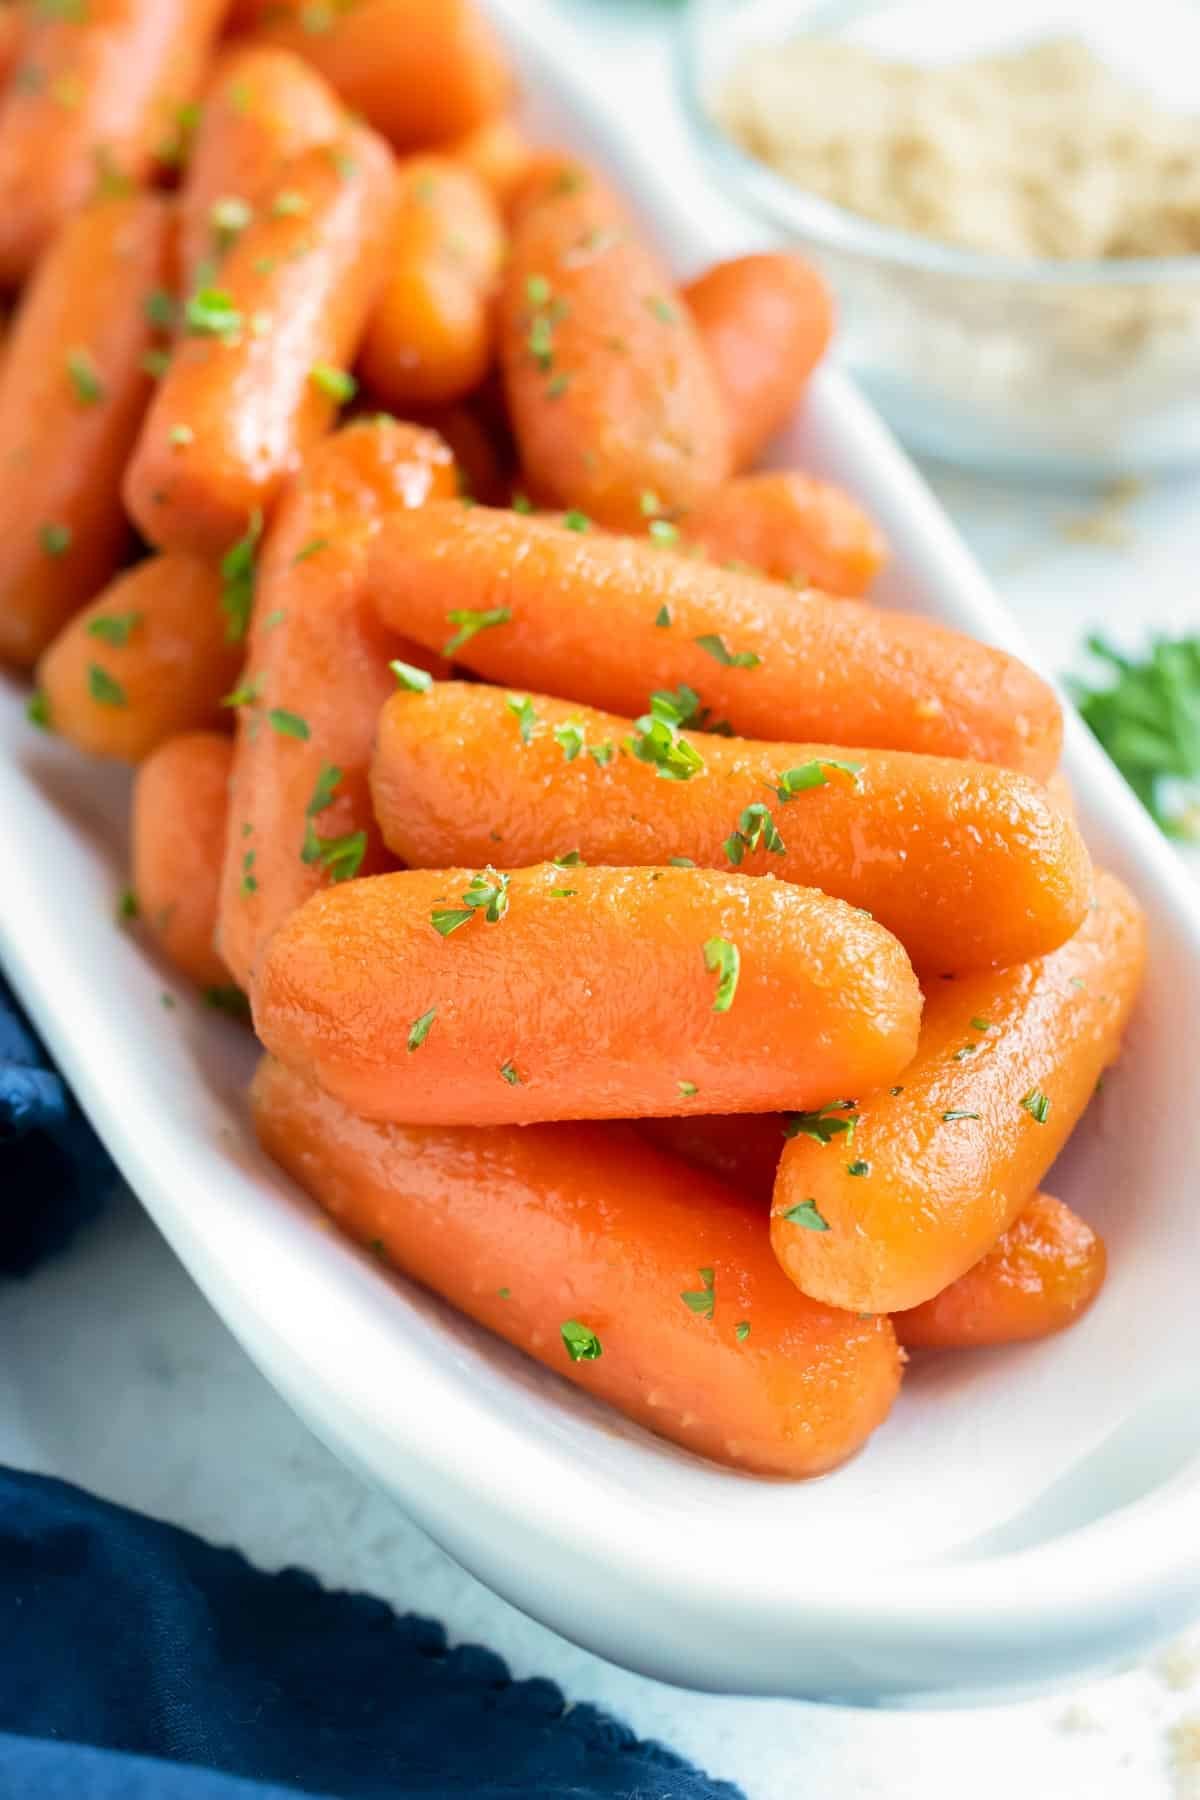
<point x="684" y="965"/>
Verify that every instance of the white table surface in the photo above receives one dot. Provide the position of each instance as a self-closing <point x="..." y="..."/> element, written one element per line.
<point x="115" y="1373"/>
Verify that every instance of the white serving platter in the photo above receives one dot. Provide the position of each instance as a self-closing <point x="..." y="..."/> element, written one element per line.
<point x="1023" y="1515"/>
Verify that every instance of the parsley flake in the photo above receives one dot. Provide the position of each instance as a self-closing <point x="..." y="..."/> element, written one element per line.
<point x="525" y="713"/>
<point x="582" y="1344"/>
<point x="55" y="540"/>
<point x="701" y="1301"/>
<point x="418" y="1031"/>
<point x="508" y="1072"/>
<point x="687" y="1089"/>
<point x="470" y="623"/>
<point x="741" y="1330"/>
<point x="288" y="724"/>
<point x="114" y="628"/>
<point x="410" y="678"/>
<point x="813" y="775"/>
<point x="37" y="710"/>
<point x="723" y="959"/>
<point x="806" y="1215"/>
<point x="657" y="741"/>
<point x="238" y="575"/>
<point x="950" y="1117"/>
<point x="85" y="378"/>
<point x="103" y="689"/>
<point x="1037" y="1105"/>
<point x="336" y="384"/>
<point x="663" y="616"/>
<point x="822" y="1126"/>
<point x="755" y="829"/>
<point x="210" y="312"/>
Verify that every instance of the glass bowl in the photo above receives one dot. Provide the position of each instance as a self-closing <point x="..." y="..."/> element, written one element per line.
<point x="1081" y="370"/>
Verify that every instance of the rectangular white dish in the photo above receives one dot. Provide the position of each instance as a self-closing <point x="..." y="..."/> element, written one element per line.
<point x="1022" y="1515"/>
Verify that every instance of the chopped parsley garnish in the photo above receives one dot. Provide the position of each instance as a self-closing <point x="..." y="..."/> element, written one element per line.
<point x="337" y="385"/>
<point x="657" y="741"/>
<point x="981" y="1024"/>
<point x="508" y="1072"/>
<point x="570" y="738"/>
<point x="858" y="1167"/>
<point x="538" y="291"/>
<point x="103" y="689"/>
<point x="180" y="435"/>
<point x="950" y="1117"/>
<point x="159" y="309"/>
<point x="602" y="754"/>
<point x="418" y="1031"/>
<point x="582" y="1344"/>
<point x="681" y="862"/>
<point x="521" y="503"/>
<point x="806" y="1214"/>
<point x="504" y="1293"/>
<point x="55" y="540"/>
<point x="570" y="859"/>
<point x="326" y="785"/>
<point x="563" y="893"/>
<point x="245" y="693"/>
<point x="663" y="616"/>
<point x="289" y="204"/>
<point x="85" y="378"/>
<point x="410" y="678"/>
<point x="577" y="521"/>
<point x="1037" y="1105"/>
<point x="1148" y="720"/>
<point x="114" y="628"/>
<point x="229" y="1000"/>
<point x="813" y="775"/>
<point x="249" y="881"/>
<point x="127" y="906"/>
<point x="210" y="312"/>
<point x="755" y="829"/>
<point x="237" y="580"/>
<point x="741" y="1330"/>
<point x="965" y="1050"/>
<point x="700" y="1301"/>
<point x="471" y="623"/>
<point x="486" y="892"/>
<point x="156" y="363"/>
<point x="688" y="1089"/>
<point x="822" y="1126"/>
<point x="525" y="713"/>
<point x="723" y="959"/>
<point x="313" y="547"/>
<point x="557" y="385"/>
<point x="288" y="724"/>
<point x="340" y="857"/>
<point x="663" y="533"/>
<point x="661" y="308"/>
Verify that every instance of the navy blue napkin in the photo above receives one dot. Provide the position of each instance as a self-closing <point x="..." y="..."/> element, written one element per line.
<point x="139" y="1663"/>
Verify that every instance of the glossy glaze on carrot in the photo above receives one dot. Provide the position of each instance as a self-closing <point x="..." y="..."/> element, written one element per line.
<point x="180" y="813"/>
<point x="883" y="1218"/>
<point x="562" y="993"/>
<point x="663" y="1280"/>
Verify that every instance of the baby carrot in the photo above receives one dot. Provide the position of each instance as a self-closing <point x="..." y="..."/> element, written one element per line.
<point x="643" y="1281"/>
<point x="262" y="108"/>
<point x="881" y="1204"/>
<point x="792" y="528"/>
<point x="498" y="153"/>
<point x="608" y="621"/>
<point x="614" y="405"/>
<point x="969" y="865"/>
<point x="95" y="95"/>
<point x="149" y="658"/>
<point x="458" y="997"/>
<point x="258" y="375"/>
<point x="73" y="389"/>
<point x="766" y="321"/>
<point x="180" y="812"/>
<point x="422" y="72"/>
<point x="316" y="677"/>
<point x="1038" y="1278"/>
<point x="429" y="341"/>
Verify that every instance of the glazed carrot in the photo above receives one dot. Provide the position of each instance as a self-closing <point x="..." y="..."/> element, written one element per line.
<point x="422" y="72"/>
<point x="607" y="621"/>
<point x="792" y="528"/>
<point x="882" y="1218"/>
<point x="614" y="405"/>
<point x="262" y="108"/>
<point x="460" y="997"/>
<point x="742" y="1149"/>
<point x="148" y="659"/>
<point x="73" y="389"/>
<point x="766" y="321"/>
<point x="969" y="865"/>
<point x="95" y="95"/>
<point x="259" y="373"/>
<point x="430" y="338"/>
<point x="316" y="677"/>
<point x="180" y="812"/>
<point x="498" y="153"/>
<point x="644" y="1281"/>
<point x="1038" y="1278"/>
